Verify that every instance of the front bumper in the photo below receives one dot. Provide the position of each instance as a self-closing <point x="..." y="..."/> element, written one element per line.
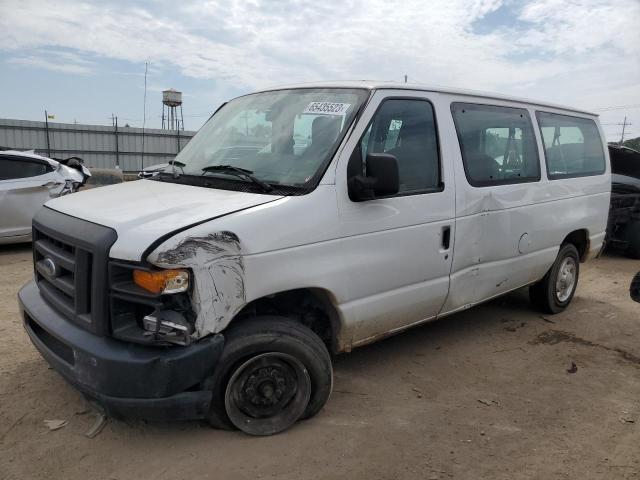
<point x="155" y="383"/>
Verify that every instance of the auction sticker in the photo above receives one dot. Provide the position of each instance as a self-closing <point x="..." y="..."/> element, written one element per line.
<point x="327" y="108"/>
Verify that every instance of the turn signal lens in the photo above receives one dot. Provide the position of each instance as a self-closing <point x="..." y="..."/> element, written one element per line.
<point x="163" y="281"/>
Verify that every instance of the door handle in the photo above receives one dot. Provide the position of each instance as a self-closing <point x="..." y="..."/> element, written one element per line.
<point x="446" y="237"/>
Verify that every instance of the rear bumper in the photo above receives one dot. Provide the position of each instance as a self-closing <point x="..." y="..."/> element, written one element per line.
<point x="156" y="383"/>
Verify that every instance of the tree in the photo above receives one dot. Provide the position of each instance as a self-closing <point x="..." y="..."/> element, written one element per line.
<point x="633" y="143"/>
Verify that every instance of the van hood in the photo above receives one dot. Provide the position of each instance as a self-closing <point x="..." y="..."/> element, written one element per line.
<point x="142" y="211"/>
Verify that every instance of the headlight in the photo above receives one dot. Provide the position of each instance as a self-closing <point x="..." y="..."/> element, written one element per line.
<point x="163" y="281"/>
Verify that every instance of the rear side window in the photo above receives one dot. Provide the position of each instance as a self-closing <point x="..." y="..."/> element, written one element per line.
<point x="572" y="146"/>
<point x="497" y="143"/>
<point x="12" y="169"/>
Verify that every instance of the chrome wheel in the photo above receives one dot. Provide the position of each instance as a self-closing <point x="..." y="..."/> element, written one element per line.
<point x="268" y="393"/>
<point x="566" y="279"/>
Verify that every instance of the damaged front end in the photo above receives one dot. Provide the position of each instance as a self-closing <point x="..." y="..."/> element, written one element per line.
<point x="217" y="290"/>
<point x="189" y="287"/>
<point x="146" y="315"/>
<point x="100" y="329"/>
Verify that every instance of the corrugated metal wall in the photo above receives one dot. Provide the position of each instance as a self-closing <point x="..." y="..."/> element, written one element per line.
<point x="96" y="144"/>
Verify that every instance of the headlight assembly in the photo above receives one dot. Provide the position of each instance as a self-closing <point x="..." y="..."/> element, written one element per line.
<point x="162" y="282"/>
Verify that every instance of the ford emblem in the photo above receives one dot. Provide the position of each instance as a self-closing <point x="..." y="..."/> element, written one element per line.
<point x="50" y="267"/>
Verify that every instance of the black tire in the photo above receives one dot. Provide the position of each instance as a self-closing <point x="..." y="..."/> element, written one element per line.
<point x="270" y="334"/>
<point x="544" y="295"/>
<point x="632" y="236"/>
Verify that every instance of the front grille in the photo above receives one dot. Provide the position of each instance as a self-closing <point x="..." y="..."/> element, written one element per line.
<point x="69" y="290"/>
<point x="70" y="261"/>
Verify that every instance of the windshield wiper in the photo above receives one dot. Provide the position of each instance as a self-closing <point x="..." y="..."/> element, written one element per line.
<point x="238" y="172"/>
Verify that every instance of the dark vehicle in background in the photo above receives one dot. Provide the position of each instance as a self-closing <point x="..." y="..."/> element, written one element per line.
<point x="634" y="289"/>
<point x="623" y="230"/>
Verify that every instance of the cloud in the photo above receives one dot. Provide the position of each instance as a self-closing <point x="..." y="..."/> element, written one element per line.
<point x="574" y="27"/>
<point x="65" y="62"/>
<point x="559" y="50"/>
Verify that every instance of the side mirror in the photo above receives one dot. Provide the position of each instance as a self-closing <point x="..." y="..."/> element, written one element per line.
<point x="383" y="178"/>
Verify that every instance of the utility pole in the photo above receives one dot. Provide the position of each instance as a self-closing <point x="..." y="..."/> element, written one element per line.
<point x="46" y="123"/>
<point x="144" y="112"/>
<point x="178" y="140"/>
<point x="115" y="129"/>
<point x="624" y="125"/>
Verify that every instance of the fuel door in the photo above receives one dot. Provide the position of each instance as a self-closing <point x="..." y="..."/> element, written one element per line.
<point x="524" y="245"/>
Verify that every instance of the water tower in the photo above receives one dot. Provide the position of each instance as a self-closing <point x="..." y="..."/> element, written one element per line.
<point x="172" y="99"/>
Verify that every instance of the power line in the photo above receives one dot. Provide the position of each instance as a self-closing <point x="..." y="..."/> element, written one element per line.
<point x="208" y="114"/>
<point x="617" y="107"/>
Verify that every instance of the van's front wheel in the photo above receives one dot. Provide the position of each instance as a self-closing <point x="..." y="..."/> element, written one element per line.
<point x="272" y="372"/>
<point x="268" y="393"/>
<point x="554" y="292"/>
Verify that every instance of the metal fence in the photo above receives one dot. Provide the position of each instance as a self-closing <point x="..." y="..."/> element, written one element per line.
<point x="98" y="145"/>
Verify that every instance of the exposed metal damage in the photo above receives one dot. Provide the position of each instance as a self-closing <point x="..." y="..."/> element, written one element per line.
<point x="213" y="244"/>
<point x="218" y="270"/>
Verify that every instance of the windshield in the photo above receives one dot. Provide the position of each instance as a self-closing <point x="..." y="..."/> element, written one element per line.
<point x="282" y="137"/>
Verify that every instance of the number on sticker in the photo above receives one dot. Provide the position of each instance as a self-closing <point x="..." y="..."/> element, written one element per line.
<point x="327" y="108"/>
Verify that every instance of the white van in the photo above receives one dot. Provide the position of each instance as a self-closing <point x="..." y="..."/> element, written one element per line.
<point x="306" y="220"/>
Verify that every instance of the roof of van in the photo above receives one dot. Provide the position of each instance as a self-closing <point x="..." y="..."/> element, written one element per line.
<point x="375" y="85"/>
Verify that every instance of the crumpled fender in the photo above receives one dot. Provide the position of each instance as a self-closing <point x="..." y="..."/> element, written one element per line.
<point x="219" y="276"/>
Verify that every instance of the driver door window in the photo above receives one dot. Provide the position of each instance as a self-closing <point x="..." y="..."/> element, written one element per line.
<point x="406" y="129"/>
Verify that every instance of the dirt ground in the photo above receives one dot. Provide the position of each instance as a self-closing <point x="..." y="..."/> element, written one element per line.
<point x="482" y="394"/>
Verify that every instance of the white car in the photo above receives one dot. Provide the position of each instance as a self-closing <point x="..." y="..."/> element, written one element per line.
<point x="218" y="289"/>
<point x="27" y="181"/>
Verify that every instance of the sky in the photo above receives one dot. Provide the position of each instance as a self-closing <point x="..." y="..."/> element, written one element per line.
<point x="85" y="61"/>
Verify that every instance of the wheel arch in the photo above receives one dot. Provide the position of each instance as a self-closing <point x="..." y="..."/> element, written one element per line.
<point x="580" y="239"/>
<point x="311" y="306"/>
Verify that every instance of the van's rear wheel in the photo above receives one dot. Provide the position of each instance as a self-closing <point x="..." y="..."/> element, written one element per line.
<point x="273" y="372"/>
<point x="555" y="291"/>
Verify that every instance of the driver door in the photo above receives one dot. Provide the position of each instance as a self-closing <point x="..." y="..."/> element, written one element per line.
<point x="397" y="249"/>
